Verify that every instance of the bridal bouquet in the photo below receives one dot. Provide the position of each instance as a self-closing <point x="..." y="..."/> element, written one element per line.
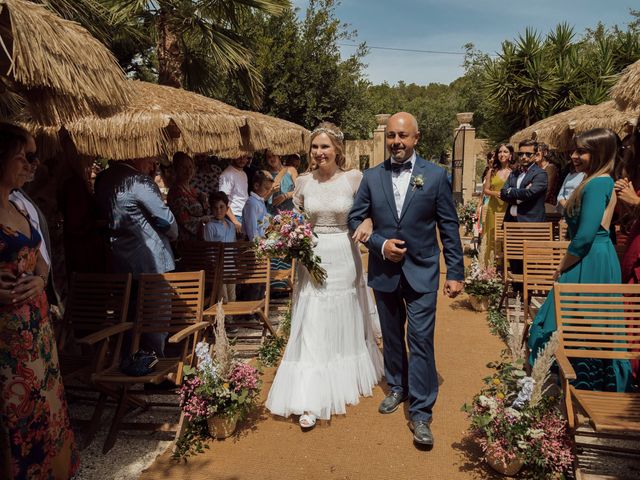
<point x="289" y="235"/>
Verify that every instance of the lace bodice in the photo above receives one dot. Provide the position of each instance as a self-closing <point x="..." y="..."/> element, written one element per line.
<point x="327" y="203"/>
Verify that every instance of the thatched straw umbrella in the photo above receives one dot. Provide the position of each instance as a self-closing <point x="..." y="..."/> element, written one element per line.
<point x="56" y="65"/>
<point x="626" y="92"/>
<point x="558" y="130"/>
<point x="162" y="120"/>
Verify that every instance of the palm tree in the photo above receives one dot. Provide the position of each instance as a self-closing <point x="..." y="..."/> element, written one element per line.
<point x="192" y="41"/>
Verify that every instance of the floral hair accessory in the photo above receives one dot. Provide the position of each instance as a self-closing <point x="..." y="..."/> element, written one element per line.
<point x="331" y="133"/>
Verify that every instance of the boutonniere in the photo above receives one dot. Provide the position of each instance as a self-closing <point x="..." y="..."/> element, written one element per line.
<point x="417" y="181"/>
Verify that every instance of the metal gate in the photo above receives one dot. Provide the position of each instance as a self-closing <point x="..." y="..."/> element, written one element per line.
<point x="457" y="163"/>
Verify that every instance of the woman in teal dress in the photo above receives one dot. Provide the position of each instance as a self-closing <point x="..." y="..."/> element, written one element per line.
<point x="590" y="257"/>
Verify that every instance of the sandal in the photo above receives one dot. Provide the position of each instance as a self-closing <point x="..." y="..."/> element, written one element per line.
<point x="307" y="421"/>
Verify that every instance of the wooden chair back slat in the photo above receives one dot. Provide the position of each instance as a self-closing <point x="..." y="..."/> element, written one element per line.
<point x="201" y="255"/>
<point x="241" y="266"/>
<point x="96" y="301"/>
<point x="541" y="260"/>
<point x="515" y="235"/>
<point x="169" y="302"/>
<point x="598" y="321"/>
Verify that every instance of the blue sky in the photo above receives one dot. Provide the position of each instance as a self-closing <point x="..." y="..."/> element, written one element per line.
<point x="447" y="25"/>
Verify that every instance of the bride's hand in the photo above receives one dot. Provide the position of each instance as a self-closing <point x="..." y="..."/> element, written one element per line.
<point x="363" y="232"/>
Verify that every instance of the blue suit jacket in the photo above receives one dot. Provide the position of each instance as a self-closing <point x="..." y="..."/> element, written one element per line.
<point x="423" y="209"/>
<point x="531" y="194"/>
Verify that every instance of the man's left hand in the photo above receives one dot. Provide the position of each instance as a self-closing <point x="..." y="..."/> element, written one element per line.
<point x="452" y="288"/>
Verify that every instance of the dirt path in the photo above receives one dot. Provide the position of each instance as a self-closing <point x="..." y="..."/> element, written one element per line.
<point x="363" y="444"/>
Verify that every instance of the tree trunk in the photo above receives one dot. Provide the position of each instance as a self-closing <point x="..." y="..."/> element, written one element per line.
<point x="169" y="52"/>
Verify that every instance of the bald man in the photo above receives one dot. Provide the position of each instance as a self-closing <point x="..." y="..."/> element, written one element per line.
<point x="407" y="198"/>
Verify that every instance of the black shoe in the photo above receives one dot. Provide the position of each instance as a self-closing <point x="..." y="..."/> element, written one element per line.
<point x="391" y="402"/>
<point x="421" y="432"/>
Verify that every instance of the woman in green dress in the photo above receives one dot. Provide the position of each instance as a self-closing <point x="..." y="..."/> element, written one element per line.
<point x="590" y="257"/>
<point x="493" y="182"/>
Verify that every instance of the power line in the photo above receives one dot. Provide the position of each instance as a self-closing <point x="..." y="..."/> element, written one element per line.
<point x="403" y="49"/>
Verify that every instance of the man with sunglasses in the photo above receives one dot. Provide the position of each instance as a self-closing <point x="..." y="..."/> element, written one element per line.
<point x="526" y="188"/>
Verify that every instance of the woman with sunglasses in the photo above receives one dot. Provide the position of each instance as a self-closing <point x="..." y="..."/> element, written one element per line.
<point x="36" y="440"/>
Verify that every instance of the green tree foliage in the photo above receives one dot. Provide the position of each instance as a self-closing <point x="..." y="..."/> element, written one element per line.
<point x="306" y="80"/>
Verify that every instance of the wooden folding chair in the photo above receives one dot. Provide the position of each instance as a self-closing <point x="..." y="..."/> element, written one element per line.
<point x="96" y="301"/>
<point x="498" y="238"/>
<point x="599" y="322"/>
<point x="562" y="230"/>
<point x="515" y="233"/>
<point x="240" y="266"/>
<point x="200" y="255"/>
<point x="167" y="303"/>
<point x="541" y="260"/>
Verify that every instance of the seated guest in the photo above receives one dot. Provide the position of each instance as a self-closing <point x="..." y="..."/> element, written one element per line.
<point x="254" y="213"/>
<point x="220" y="229"/>
<point x="36" y="439"/>
<point x="234" y="182"/>
<point x="189" y="206"/>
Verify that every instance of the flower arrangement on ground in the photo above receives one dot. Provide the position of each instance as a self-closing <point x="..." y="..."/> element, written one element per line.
<point x="289" y="235"/>
<point x="468" y="216"/>
<point x="516" y="422"/>
<point x="483" y="282"/>
<point x="219" y="386"/>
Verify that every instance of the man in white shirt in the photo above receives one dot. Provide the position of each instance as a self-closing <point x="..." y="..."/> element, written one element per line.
<point x="235" y="184"/>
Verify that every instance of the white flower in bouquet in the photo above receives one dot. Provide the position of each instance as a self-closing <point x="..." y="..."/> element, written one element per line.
<point x="526" y="385"/>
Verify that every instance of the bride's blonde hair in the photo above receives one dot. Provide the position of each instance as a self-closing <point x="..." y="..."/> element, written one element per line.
<point x="337" y="140"/>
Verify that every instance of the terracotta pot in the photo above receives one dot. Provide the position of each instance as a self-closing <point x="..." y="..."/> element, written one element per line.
<point x="509" y="469"/>
<point x="479" y="304"/>
<point x="221" y="427"/>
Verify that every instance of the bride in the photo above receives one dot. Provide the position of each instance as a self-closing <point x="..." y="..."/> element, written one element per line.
<point x="331" y="357"/>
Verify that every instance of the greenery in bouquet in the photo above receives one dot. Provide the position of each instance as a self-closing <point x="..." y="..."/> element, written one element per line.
<point x="483" y="281"/>
<point x="289" y="235"/>
<point x="513" y="417"/>
<point x="467" y="216"/>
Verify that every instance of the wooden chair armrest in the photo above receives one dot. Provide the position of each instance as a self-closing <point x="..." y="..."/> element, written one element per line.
<point x="186" y="332"/>
<point x="566" y="369"/>
<point x="105" y="333"/>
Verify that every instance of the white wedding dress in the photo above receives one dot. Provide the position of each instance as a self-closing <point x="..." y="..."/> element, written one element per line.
<point x="331" y="357"/>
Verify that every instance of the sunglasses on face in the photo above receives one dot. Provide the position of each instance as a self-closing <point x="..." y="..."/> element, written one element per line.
<point x="526" y="154"/>
<point x="32" y="157"/>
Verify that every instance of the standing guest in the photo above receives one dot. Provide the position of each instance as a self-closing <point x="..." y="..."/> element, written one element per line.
<point x="570" y="183"/>
<point x="494" y="180"/>
<point x="410" y="202"/>
<point x="254" y="213"/>
<point x="553" y="176"/>
<point x="590" y="257"/>
<point x="189" y="206"/>
<point x="293" y="161"/>
<point x="234" y="182"/>
<point x="526" y="188"/>
<point x="140" y="225"/>
<point x="36" y="440"/>
<point x="207" y="176"/>
<point x="284" y="179"/>
<point x="220" y="229"/>
<point x="84" y="244"/>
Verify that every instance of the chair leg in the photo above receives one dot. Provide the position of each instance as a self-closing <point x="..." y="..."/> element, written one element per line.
<point x="266" y="322"/>
<point x="95" y="420"/>
<point x="117" y="421"/>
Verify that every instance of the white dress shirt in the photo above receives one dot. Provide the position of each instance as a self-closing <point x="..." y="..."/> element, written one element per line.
<point x="514" y="208"/>
<point x="400" y="181"/>
<point x="235" y="184"/>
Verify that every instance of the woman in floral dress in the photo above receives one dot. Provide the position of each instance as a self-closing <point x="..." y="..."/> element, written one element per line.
<point x="36" y="441"/>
